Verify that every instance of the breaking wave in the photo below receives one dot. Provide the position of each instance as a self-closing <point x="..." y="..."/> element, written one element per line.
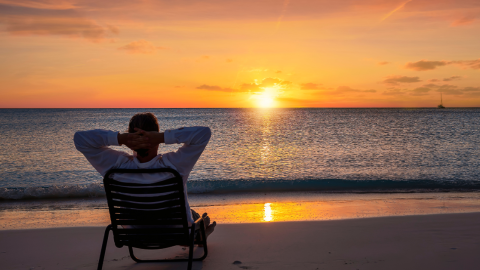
<point x="259" y="185"/>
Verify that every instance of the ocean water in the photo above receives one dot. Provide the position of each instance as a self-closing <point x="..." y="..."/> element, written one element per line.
<point x="329" y="150"/>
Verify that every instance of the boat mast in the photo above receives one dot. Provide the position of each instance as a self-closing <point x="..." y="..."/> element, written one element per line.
<point x="441" y="99"/>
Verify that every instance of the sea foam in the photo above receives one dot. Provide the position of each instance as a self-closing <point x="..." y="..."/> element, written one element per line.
<point x="257" y="185"/>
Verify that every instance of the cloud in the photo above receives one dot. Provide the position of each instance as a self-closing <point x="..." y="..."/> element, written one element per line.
<point x="394" y="92"/>
<point x="453" y="78"/>
<point x="214" y="88"/>
<point x="434" y="80"/>
<point x="229" y="60"/>
<point x="278" y="72"/>
<point x="250" y="86"/>
<point x="449" y="89"/>
<point x="267" y="82"/>
<point x="310" y="86"/>
<point x="383" y="63"/>
<point x="423" y="65"/>
<point x="473" y="64"/>
<point x="394" y="80"/>
<point x="464" y="21"/>
<point x="453" y="89"/>
<point x="341" y="90"/>
<point x="345" y="89"/>
<point x="420" y="91"/>
<point x="471" y="89"/>
<point x="40" y="4"/>
<point x="140" y="47"/>
<point x="20" y="20"/>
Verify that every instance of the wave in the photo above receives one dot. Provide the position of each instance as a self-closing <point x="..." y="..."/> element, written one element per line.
<point x="53" y="192"/>
<point x="260" y="185"/>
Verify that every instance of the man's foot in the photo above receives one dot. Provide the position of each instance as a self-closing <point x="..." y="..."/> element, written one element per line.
<point x="209" y="228"/>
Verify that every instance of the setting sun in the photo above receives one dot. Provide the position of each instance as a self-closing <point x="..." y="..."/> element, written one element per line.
<point x="265" y="100"/>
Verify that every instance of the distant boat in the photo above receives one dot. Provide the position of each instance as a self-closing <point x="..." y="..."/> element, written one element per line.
<point x="441" y="103"/>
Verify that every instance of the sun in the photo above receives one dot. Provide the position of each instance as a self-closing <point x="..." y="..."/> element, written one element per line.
<point x="266" y="99"/>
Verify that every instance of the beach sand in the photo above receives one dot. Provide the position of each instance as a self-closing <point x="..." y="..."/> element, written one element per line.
<point x="446" y="241"/>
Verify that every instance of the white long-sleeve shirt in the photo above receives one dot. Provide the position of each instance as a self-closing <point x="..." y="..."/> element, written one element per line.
<point x="94" y="146"/>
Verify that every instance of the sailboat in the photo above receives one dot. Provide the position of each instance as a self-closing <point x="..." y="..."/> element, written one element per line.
<point x="441" y="102"/>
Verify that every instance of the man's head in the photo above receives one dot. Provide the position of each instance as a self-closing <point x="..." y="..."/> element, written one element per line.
<point x="145" y="121"/>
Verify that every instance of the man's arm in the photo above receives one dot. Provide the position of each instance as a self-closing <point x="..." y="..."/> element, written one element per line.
<point x="93" y="144"/>
<point x="194" y="140"/>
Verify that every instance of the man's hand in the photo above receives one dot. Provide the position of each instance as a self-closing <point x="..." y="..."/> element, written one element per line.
<point x="141" y="139"/>
<point x="153" y="137"/>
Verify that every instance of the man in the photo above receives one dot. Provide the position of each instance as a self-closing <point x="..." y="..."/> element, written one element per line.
<point x="144" y="138"/>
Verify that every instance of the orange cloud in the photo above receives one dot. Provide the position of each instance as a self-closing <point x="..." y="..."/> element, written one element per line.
<point x="345" y="90"/>
<point x="420" y="91"/>
<point x="214" y="88"/>
<point x="140" y="47"/>
<point x="453" y="89"/>
<point x="464" y="21"/>
<point x="20" y="20"/>
<point x="472" y="64"/>
<point x="267" y="82"/>
<point x="394" y="80"/>
<point x="453" y="78"/>
<point x="383" y="63"/>
<point x="423" y="65"/>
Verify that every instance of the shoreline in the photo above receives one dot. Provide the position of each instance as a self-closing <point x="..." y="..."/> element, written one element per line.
<point x="249" y="208"/>
<point x="441" y="241"/>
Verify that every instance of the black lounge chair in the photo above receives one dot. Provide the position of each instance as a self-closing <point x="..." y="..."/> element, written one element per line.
<point x="150" y="216"/>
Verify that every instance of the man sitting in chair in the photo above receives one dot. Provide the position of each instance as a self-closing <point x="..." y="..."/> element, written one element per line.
<point x="144" y="138"/>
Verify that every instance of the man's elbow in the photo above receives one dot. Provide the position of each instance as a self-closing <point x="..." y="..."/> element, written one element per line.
<point x="207" y="134"/>
<point x="78" y="140"/>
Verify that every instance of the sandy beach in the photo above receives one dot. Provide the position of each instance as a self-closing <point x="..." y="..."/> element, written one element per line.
<point x="447" y="241"/>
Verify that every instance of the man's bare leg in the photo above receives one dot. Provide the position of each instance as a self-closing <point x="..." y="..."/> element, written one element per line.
<point x="209" y="228"/>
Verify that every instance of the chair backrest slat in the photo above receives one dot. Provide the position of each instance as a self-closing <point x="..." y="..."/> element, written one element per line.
<point x="156" y="198"/>
<point x="146" y="214"/>
<point x="147" y="189"/>
<point x="160" y="183"/>
<point x="141" y="205"/>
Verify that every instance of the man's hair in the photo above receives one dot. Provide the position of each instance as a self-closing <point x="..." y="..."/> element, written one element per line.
<point x="146" y="121"/>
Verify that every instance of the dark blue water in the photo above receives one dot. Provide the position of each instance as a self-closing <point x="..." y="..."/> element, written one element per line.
<point x="258" y="149"/>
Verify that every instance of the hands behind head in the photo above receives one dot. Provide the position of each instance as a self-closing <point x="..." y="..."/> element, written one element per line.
<point x="142" y="139"/>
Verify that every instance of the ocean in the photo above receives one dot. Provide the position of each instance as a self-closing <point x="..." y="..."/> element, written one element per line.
<point x="257" y="150"/>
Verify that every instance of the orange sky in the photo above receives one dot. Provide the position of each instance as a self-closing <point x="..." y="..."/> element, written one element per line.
<point x="216" y="53"/>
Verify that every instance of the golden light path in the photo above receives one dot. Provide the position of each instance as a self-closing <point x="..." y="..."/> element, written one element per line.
<point x="254" y="211"/>
<point x="268" y="212"/>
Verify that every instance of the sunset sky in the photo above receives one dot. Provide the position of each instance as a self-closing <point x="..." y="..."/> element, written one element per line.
<point x="217" y="53"/>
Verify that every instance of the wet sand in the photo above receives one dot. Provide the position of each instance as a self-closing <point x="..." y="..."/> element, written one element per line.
<point x="447" y="241"/>
<point x="248" y="208"/>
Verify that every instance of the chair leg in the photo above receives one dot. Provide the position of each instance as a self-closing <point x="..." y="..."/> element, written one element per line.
<point x="130" y="250"/>
<point x="191" y="248"/>
<point x="104" y="247"/>
<point x="204" y="243"/>
<point x="190" y="253"/>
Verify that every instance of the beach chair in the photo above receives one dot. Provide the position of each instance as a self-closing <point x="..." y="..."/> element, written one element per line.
<point x="150" y="216"/>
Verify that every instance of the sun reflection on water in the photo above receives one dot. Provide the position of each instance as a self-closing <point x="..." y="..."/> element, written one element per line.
<point x="268" y="212"/>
